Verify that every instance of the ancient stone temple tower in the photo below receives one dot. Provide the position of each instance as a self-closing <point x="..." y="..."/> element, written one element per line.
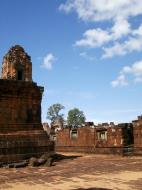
<point x="17" y="65"/>
<point x="21" y="132"/>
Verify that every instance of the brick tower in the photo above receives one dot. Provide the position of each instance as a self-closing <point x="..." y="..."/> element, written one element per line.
<point x="21" y="132"/>
<point x="17" y="65"/>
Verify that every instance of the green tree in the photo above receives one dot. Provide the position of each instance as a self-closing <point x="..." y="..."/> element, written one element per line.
<point x="54" y="114"/>
<point x="75" y="117"/>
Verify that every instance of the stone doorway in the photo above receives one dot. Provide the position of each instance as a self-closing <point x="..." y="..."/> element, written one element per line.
<point x="20" y="75"/>
<point x="130" y="137"/>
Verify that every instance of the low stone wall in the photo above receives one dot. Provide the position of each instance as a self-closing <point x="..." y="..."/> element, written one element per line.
<point x="87" y="141"/>
<point x="91" y="149"/>
<point x="83" y="149"/>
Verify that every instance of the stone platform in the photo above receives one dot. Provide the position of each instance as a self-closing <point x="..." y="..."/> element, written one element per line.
<point x="21" y="132"/>
<point x="23" y="145"/>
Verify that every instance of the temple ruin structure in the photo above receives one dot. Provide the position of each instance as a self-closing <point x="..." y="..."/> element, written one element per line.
<point x="21" y="132"/>
<point x="106" y="138"/>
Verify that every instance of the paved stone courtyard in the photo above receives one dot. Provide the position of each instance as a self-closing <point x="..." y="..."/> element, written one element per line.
<point x="77" y="172"/>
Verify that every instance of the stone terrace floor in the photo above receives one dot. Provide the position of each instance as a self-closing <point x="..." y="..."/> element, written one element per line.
<point x="77" y="172"/>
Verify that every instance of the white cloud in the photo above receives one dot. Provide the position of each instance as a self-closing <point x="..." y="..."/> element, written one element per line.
<point x="48" y="61"/>
<point x="98" y="10"/>
<point x="126" y="69"/>
<point x="97" y="37"/>
<point x="93" y="38"/>
<point x="133" y="43"/>
<point x="117" y="13"/>
<point x="120" y="81"/>
<point x="86" y="56"/>
<point x="117" y="49"/>
<point x="135" y="70"/>
<point x="121" y="28"/>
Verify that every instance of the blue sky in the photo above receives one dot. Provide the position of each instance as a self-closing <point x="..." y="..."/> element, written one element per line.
<point x="86" y="53"/>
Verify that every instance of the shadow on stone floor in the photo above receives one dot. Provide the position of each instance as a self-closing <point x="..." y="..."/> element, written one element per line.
<point x="67" y="168"/>
<point x="59" y="157"/>
<point x="36" y="175"/>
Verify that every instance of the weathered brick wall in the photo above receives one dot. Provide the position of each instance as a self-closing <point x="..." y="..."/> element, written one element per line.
<point x="21" y="132"/>
<point x="19" y="103"/>
<point x="83" y="143"/>
<point x="88" y="141"/>
<point x="113" y="144"/>
<point x="115" y="137"/>
<point x="21" y="145"/>
<point x="137" y="127"/>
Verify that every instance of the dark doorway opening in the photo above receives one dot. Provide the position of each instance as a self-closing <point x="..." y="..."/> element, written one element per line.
<point x="128" y="135"/>
<point x="130" y="140"/>
<point x="20" y="75"/>
<point x="29" y="116"/>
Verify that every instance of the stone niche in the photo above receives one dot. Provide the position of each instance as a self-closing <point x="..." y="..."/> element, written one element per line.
<point x="21" y="132"/>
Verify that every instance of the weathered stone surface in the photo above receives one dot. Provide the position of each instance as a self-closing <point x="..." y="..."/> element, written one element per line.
<point x="45" y="159"/>
<point x="82" y="141"/>
<point x="138" y="136"/>
<point x="19" y="104"/>
<point x="21" y="132"/>
<point x="33" y="162"/>
<point x="49" y="162"/>
<point x="99" y="140"/>
<point x="17" y="65"/>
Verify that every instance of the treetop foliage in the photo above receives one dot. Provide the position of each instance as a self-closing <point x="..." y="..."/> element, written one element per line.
<point x="75" y="118"/>
<point x="53" y="112"/>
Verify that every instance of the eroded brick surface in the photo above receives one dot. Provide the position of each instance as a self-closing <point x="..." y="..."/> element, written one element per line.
<point x="124" y="139"/>
<point x="21" y="132"/>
